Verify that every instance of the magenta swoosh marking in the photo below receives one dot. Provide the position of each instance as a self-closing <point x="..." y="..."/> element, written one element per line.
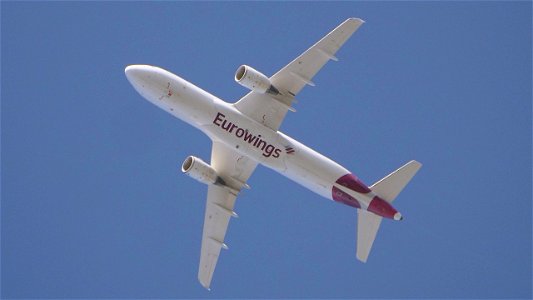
<point x="381" y="208"/>
<point x="353" y="183"/>
<point x="342" y="197"/>
<point x="378" y="206"/>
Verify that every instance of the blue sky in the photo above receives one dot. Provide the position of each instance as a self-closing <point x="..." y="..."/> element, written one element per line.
<point x="94" y="205"/>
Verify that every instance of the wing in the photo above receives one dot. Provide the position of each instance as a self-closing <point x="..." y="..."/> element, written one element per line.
<point x="231" y="166"/>
<point x="290" y="80"/>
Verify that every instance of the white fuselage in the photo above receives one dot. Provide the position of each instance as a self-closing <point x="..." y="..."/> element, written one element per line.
<point x="222" y="122"/>
<point x="245" y="134"/>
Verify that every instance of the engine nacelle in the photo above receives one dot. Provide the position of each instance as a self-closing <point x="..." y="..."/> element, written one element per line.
<point x="200" y="170"/>
<point x="255" y="80"/>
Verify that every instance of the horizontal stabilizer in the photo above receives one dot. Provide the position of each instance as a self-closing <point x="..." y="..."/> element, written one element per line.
<point x="390" y="186"/>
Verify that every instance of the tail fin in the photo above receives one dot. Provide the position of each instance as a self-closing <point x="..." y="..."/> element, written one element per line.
<point x="367" y="228"/>
<point x="387" y="188"/>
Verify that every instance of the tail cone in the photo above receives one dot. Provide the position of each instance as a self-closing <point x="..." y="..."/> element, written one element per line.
<point x="398" y="216"/>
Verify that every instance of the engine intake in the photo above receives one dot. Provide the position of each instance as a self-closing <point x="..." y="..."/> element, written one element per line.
<point x="200" y="170"/>
<point x="255" y="80"/>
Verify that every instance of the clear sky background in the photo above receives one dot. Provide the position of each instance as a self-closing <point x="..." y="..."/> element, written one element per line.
<point x="94" y="205"/>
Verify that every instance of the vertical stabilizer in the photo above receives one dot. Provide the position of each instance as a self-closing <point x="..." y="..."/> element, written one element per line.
<point x="367" y="228"/>
<point x="387" y="189"/>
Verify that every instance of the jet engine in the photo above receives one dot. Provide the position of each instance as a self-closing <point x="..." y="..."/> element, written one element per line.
<point x="200" y="170"/>
<point x="255" y="80"/>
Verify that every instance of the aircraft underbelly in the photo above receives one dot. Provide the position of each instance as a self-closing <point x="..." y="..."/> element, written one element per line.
<point x="223" y="122"/>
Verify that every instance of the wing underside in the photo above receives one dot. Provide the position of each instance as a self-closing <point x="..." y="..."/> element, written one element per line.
<point x="219" y="206"/>
<point x="271" y="110"/>
<point x="218" y="210"/>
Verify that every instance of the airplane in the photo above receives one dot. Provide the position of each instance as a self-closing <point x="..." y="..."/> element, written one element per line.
<point x="246" y="133"/>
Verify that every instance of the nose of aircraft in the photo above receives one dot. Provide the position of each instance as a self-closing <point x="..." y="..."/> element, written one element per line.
<point x="134" y="73"/>
<point x="145" y="79"/>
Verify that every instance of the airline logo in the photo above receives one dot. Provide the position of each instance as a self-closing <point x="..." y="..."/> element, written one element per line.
<point x="244" y="134"/>
<point x="289" y="149"/>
